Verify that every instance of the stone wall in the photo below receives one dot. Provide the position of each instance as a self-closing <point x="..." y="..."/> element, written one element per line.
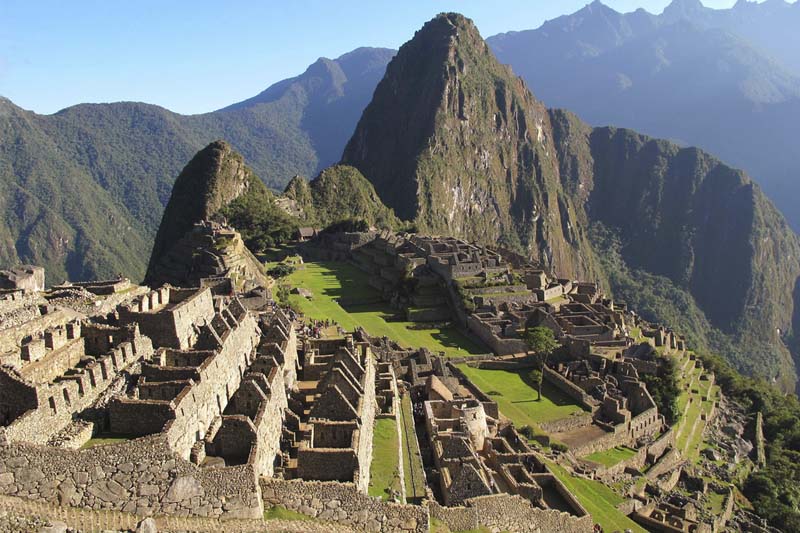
<point x="567" y="424"/>
<point x="169" y="315"/>
<point x="498" y="345"/>
<point x="505" y="512"/>
<point x="343" y="503"/>
<point x="368" y="407"/>
<point x="142" y="476"/>
<point x="666" y="463"/>
<point x="199" y="404"/>
<point x="568" y="388"/>
<point x="56" y="402"/>
<point x="661" y="444"/>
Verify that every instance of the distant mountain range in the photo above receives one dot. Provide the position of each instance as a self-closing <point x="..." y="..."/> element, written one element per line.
<point x="724" y="80"/>
<point x="88" y="184"/>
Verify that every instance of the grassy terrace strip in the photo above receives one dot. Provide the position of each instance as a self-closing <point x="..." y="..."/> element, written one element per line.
<point x="282" y="513"/>
<point x="384" y="470"/>
<point x="611" y="457"/>
<point x="598" y="499"/>
<point x="412" y="459"/>
<point x="517" y="399"/>
<point x="329" y="281"/>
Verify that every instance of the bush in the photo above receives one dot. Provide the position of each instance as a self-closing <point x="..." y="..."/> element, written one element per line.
<point x="527" y="432"/>
<point x="281" y="270"/>
<point x="559" y="447"/>
<point x="348" y="225"/>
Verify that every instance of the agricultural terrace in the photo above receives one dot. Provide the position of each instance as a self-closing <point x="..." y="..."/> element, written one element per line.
<point x="330" y="281"/>
<point x="611" y="457"/>
<point x="598" y="499"/>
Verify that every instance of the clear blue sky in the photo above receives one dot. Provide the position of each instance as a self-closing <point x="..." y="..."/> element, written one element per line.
<point x="197" y="56"/>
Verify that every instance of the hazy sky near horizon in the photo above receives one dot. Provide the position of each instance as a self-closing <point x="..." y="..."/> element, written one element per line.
<point x="194" y="57"/>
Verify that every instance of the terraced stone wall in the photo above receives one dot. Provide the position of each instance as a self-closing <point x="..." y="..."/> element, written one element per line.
<point x="142" y="476"/>
<point x="343" y="503"/>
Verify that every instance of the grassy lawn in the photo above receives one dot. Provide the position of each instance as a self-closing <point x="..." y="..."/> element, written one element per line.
<point x="412" y="460"/>
<point x="282" y="513"/>
<point x="517" y="399"/>
<point x="329" y="281"/>
<point x="384" y="471"/>
<point x="598" y="499"/>
<point x="612" y="456"/>
<point x="103" y="441"/>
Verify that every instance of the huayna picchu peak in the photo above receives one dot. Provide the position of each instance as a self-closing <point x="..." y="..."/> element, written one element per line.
<point x="455" y="142"/>
<point x="479" y="313"/>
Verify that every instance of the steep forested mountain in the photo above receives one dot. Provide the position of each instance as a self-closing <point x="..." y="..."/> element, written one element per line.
<point x="724" y="80"/>
<point x="465" y="149"/>
<point x="122" y="158"/>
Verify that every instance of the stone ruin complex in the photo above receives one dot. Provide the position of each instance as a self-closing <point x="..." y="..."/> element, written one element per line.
<point x="214" y="403"/>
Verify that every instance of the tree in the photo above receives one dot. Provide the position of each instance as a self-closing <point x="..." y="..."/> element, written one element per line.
<point x="535" y="376"/>
<point x="541" y="341"/>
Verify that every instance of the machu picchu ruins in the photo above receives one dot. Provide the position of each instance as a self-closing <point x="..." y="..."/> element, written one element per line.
<point x="212" y="398"/>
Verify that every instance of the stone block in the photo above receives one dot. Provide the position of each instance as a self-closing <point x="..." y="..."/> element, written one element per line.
<point x="28" y="476"/>
<point x="148" y="490"/>
<point x="54" y="527"/>
<point x="6" y="478"/>
<point x="148" y="525"/>
<point x="183" y="488"/>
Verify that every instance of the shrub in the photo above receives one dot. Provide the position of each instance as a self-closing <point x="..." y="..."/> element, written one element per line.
<point x="281" y="270"/>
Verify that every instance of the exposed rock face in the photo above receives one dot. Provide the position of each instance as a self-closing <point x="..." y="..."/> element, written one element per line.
<point x="214" y="177"/>
<point x="704" y="225"/>
<point x="453" y="140"/>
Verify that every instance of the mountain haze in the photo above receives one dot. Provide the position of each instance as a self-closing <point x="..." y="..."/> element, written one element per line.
<point x="700" y="76"/>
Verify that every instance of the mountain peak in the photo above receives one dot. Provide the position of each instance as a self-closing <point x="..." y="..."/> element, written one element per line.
<point x="214" y="177"/>
<point x="683" y="9"/>
<point x="453" y="140"/>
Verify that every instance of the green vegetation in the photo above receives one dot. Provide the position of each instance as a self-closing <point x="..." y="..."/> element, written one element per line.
<point x="281" y="270"/>
<point x="660" y="300"/>
<point x="261" y="223"/>
<point x="516" y="396"/>
<point x="775" y="490"/>
<point x="85" y="188"/>
<point x="279" y="512"/>
<point x="664" y="388"/>
<point x="412" y="459"/>
<point x="103" y="440"/>
<point x="598" y="499"/>
<point x="541" y="341"/>
<point x="385" y="469"/>
<point x="339" y="193"/>
<point x="330" y="281"/>
<point x="612" y="456"/>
